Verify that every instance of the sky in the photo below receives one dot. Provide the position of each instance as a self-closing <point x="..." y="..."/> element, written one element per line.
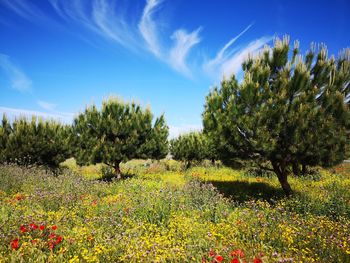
<point x="59" y="56"/>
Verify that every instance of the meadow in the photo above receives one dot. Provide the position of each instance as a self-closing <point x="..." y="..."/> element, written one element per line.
<point x="163" y="213"/>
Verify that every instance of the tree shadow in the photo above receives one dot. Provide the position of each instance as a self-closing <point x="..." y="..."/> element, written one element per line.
<point x="244" y="191"/>
<point x="112" y="178"/>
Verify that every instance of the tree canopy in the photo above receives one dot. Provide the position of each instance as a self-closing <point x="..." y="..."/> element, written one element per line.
<point x="189" y="148"/>
<point x="117" y="133"/>
<point x="289" y="110"/>
<point x="35" y="141"/>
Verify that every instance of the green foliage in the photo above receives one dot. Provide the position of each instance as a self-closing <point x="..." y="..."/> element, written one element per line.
<point x="189" y="148"/>
<point x="156" y="146"/>
<point x="290" y="112"/>
<point x="5" y="130"/>
<point x="39" y="142"/>
<point x="117" y="133"/>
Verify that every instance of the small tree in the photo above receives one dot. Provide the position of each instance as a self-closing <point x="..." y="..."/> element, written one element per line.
<point x="288" y="110"/>
<point x="156" y="146"/>
<point x="5" y="131"/>
<point x="117" y="133"/>
<point x="36" y="142"/>
<point x="189" y="148"/>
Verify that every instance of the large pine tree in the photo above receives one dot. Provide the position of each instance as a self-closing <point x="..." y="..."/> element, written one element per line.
<point x="118" y="132"/>
<point x="289" y="110"/>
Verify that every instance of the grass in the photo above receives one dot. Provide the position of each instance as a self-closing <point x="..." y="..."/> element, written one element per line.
<point x="161" y="213"/>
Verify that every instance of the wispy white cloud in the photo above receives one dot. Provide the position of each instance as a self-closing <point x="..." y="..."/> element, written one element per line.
<point x="24" y="9"/>
<point x="17" y="77"/>
<point x="105" y="18"/>
<point x="176" y="55"/>
<point x="183" y="43"/>
<point x="47" y="105"/>
<point x="148" y="27"/>
<point x="110" y="20"/>
<point x="225" y="52"/>
<point x="233" y="64"/>
<point x="15" y="113"/>
<point x="229" y="59"/>
<point x="175" y="131"/>
<point x="112" y="24"/>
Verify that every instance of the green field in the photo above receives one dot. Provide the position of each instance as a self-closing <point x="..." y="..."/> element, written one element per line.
<point x="161" y="213"/>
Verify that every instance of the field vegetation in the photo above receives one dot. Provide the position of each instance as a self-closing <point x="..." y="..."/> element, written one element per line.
<point x="163" y="213"/>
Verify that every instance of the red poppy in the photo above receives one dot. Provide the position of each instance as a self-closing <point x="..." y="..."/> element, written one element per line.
<point x="15" y="244"/>
<point x="219" y="258"/>
<point x="237" y="253"/>
<point x="212" y="253"/>
<point x="23" y="228"/>
<point x="54" y="227"/>
<point x="42" y="227"/>
<point x="94" y="202"/>
<point x="33" y="226"/>
<point x="51" y="236"/>
<point x="51" y="245"/>
<point x="34" y="241"/>
<point x="257" y="260"/>
<point x="59" y="240"/>
<point x="19" y="197"/>
<point x="235" y="260"/>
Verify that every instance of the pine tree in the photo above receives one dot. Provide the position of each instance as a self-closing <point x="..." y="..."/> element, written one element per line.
<point x="189" y="148"/>
<point x="5" y="131"/>
<point x="34" y="142"/>
<point x="156" y="146"/>
<point x="117" y="133"/>
<point x="289" y="110"/>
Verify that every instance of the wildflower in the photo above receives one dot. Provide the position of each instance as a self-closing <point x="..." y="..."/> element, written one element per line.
<point x="15" y="244"/>
<point x="33" y="226"/>
<point x="58" y="240"/>
<point x="235" y="260"/>
<point x="19" y="197"/>
<point x="219" y="258"/>
<point x="54" y="227"/>
<point x="23" y="229"/>
<point x="237" y="253"/>
<point x="51" y="236"/>
<point x="42" y="227"/>
<point x="34" y="241"/>
<point x="211" y="253"/>
<point x="51" y="245"/>
<point x="257" y="260"/>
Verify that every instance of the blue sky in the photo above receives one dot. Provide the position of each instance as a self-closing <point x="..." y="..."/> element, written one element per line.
<point x="57" y="56"/>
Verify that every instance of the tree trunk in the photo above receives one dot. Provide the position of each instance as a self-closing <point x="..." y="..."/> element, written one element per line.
<point x="296" y="169"/>
<point x="304" y="169"/>
<point x="117" y="172"/>
<point x="282" y="176"/>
